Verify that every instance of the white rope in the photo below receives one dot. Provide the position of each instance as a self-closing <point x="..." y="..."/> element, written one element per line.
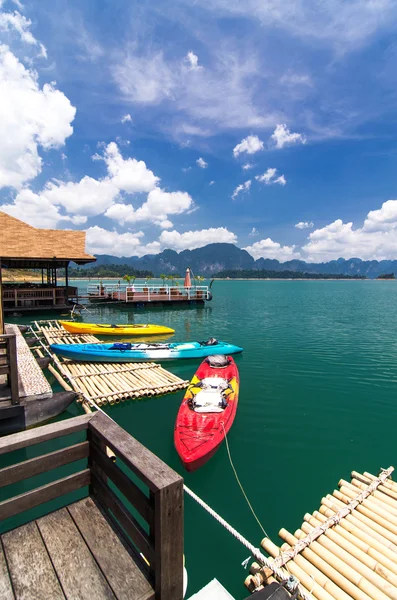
<point x="256" y="553"/>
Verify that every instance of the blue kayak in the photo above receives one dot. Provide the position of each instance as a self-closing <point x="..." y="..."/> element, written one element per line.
<point x="119" y="352"/>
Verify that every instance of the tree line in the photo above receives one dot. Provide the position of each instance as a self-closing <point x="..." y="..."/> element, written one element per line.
<point x="265" y="274"/>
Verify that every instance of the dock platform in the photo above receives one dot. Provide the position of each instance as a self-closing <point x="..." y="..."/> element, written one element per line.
<point x="123" y="537"/>
<point x="43" y="559"/>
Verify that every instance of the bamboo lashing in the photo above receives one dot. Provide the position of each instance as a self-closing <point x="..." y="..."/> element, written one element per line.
<point x="346" y="549"/>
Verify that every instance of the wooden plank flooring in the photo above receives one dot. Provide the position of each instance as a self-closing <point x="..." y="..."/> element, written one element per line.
<point x="70" y="554"/>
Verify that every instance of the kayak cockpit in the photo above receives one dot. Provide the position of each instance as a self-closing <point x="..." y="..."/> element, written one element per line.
<point x="211" y="395"/>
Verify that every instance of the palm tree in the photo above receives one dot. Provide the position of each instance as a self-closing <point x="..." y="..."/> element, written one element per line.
<point x="129" y="278"/>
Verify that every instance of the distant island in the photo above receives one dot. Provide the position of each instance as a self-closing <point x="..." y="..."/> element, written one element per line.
<point x="386" y="276"/>
<point x="212" y="259"/>
<point x="264" y="274"/>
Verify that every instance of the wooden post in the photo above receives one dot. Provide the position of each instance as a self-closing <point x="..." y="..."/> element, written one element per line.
<point x="1" y="305"/>
<point x="168" y="541"/>
<point x="13" y="366"/>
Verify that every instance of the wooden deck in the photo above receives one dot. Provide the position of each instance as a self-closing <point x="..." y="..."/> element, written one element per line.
<point x="124" y="539"/>
<point x="68" y="554"/>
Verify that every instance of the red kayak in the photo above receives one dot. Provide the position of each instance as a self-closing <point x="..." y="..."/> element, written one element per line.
<point x="207" y="411"/>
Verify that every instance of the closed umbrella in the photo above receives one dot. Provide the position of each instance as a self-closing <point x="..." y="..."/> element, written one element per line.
<point x="188" y="282"/>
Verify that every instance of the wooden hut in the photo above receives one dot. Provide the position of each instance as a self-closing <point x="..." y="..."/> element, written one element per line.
<point x="25" y="247"/>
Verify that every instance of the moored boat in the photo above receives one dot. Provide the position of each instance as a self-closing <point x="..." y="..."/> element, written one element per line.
<point x="119" y="352"/>
<point x="108" y="329"/>
<point x="207" y="411"/>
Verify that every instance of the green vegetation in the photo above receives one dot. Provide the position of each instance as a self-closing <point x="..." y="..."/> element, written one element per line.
<point x="121" y="271"/>
<point x="386" y="276"/>
<point x="265" y="274"/>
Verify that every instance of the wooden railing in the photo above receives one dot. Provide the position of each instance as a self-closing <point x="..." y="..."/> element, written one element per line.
<point x="8" y="364"/>
<point x="21" y="297"/>
<point x="157" y="533"/>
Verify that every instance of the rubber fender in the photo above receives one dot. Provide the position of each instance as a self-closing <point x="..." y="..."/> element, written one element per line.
<point x="209" y="298"/>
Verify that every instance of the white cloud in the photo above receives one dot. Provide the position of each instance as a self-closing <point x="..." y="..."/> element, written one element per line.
<point x="304" y="225"/>
<point x="30" y="117"/>
<point x="211" y="182"/>
<point x="145" y="80"/>
<point x="19" y="23"/>
<point x="126" y="118"/>
<point x="192" y="59"/>
<point x="102" y="241"/>
<point x="195" y="101"/>
<point x="201" y="163"/>
<point x="196" y="239"/>
<point x="283" y="137"/>
<point x="243" y="187"/>
<point x="253" y="232"/>
<point x="336" y="23"/>
<point x="158" y="206"/>
<point x="269" y="177"/>
<point x="250" y="145"/>
<point x="248" y="166"/>
<point x="294" y="79"/>
<point x="269" y="249"/>
<point x="186" y="169"/>
<point x="129" y="175"/>
<point x="376" y="240"/>
<point x="34" y="209"/>
<point x="87" y="197"/>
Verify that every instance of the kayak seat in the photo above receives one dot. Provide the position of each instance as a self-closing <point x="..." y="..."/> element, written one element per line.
<point x="210" y="342"/>
<point x="120" y="346"/>
<point x="218" y="361"/>
<point x="209" y="401"/>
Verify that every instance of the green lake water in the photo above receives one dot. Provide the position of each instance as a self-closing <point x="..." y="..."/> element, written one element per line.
<point x="317" y="400"/>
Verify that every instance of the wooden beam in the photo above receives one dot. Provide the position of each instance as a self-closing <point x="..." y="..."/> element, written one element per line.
<point x="17" y="504"/>
<point x="42" y="464"/>
<point x="150" y="469"/>
<point x="126" y="486"/>
<point x="1" y="304"/>
<point x="24" y="439"/>
<point x="110" y="502"/>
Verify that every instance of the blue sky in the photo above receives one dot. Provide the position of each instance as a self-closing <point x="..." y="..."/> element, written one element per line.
<point x="174" y="124"/>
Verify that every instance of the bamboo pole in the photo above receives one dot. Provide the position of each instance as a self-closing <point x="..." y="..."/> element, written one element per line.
<point x="356" y="559"/>
<point x="310" y="578"/>
<point x="360" y="520"/>
<point x="360" y="531"/>
<point x="368" y="546"/>
<point x="368" y="512"/>
<point x="60" y="380"/>
<point x="380" y="493"/>
<point x="378" y="497"/>
<point x="372" y="504"/>
<point x="383" y="488"/>
<point x="342" y="575"/>
<point x="389" y="483"/>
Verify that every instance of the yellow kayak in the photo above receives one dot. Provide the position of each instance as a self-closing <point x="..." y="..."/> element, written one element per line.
<point x="106" y="329"/>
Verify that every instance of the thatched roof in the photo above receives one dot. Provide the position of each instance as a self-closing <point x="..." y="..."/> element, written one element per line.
<point x="22" y="245"/>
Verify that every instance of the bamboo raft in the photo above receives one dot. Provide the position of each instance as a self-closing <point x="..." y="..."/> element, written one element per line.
<point x="347" y="549"/>
<point x="105" y="383"/>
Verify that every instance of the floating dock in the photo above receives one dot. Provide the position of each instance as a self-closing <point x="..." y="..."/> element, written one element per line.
<point x="143" y="295"/>
<point x="105" y="383"/>
<point x="347" y="549"/>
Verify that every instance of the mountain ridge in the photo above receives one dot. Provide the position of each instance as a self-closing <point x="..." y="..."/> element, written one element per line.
<point x="213" y="258"/>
